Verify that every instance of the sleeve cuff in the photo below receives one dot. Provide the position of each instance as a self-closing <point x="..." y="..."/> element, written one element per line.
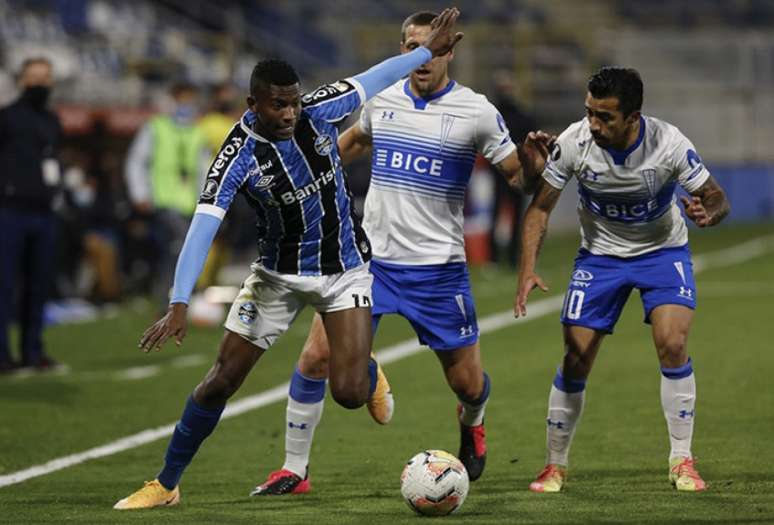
<point x="698" y="181"/>
<point x="502" y="152"/>
<point x="554" y="181"/>
<point x="211" y="209"/>
<point x="359" y="88"/>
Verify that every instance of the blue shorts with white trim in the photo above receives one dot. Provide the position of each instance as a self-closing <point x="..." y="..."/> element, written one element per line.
<point x="436" y="300"/>
<point x="600" y="285"/>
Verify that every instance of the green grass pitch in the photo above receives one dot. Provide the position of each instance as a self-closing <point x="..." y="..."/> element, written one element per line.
<point x="618" y="462"/>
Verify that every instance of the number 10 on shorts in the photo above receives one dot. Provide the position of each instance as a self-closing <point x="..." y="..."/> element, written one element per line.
<point x="573" y="304"/>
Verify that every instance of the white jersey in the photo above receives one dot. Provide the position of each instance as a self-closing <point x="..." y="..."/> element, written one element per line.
<point x="423" y="154"/>
<point x="627" y="203"/>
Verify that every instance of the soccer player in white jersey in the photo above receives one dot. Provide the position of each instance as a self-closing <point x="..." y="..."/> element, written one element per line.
<point x="424" y="133"/>
<point x="628" y="167"/>
<point x="283" y="157"/>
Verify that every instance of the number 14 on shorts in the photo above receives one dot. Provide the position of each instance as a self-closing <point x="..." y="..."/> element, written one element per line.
<point x="361" y="300"/>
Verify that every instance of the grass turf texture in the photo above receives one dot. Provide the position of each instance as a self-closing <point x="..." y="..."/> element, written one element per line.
<point x="618" y="462"/>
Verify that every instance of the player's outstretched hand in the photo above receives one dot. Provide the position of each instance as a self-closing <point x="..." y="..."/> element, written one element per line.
<point x="695" y="211"/>
<point x="527" y="283"/>
<point x="537" y="146"/>
<point x="442" y="38"/>
<point x="173" y="324"/>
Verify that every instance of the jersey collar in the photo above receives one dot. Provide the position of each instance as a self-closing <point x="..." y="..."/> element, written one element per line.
<point x="247" y="121"/>
<point x="421" y="102"/>
<point x="619" y="157"/>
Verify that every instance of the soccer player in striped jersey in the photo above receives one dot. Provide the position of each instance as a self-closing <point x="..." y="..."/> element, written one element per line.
<point x="423" y="134"/>
<point x="628" y="167"/>
<point x="283" y="157"/>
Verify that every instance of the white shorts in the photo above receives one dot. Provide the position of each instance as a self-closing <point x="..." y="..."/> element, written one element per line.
<point x="269" y="302"/>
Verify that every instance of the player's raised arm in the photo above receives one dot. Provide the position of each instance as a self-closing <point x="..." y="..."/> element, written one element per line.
<point x="532" y="236"/>
<point x="708" y="204"/>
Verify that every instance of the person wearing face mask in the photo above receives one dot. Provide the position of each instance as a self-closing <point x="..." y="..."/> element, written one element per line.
<point x="164" y="170"/>
<point x="29" y="179"/>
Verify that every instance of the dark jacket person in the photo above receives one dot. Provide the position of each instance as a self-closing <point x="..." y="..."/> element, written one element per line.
<point x="29" y="176"/>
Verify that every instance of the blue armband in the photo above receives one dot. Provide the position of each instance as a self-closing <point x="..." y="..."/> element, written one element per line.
<point x="385" y="74"/>
<point x="192" y="257"/>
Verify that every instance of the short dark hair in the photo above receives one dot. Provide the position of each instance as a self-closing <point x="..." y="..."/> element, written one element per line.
<point x="272" y="71"/>
<point x="623" y="83"/>
<point x="420" y="18"/>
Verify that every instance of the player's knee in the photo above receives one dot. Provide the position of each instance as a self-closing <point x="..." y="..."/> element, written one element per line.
<point x="576" y="364"/>
<point x="467" y="386"/>
<point x="349" y="397"/>
<point x="349" y="392"/>
<point x="672" y="350"/>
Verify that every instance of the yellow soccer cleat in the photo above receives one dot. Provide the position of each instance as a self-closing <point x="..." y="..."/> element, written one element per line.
<point x="550" y="479"/>
<point x="683" y="475"/>
<point x="153" y="494"/>
<point x="381" y="404"/>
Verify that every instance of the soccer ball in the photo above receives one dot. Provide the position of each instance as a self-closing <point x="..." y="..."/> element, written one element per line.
<point x="434" y="483"/>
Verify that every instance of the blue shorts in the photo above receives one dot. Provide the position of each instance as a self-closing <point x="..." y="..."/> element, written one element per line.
<point x="600" y="285"/>
<point x="435" y="299"/>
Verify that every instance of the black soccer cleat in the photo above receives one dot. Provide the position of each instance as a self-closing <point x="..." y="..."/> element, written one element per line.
<point x="283" y="482"/>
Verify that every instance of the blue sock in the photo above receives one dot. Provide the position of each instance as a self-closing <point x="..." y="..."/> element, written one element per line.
<point x="372" y="366"/>
<point x="482" y="398"/>
<point x="567" y="385"/>
<point x="680" y="372"/>
<point x="306" y="389"/>
<point x="194" y="426"/>
<point x="472" y="413"/>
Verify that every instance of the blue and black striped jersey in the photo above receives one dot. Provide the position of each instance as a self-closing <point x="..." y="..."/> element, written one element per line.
<point x="297" y="187"/>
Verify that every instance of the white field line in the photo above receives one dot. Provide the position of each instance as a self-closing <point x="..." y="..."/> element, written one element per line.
<point x="726" y="257"/>
<point x="126" y="374"/>
<point x="137" y="372"/>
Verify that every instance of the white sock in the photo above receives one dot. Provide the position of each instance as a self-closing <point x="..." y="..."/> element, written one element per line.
<point x="564" y="412"/>
<point x="472" y="413"/>
<point x="678" y="399"/>
<point x="302" y="419"/>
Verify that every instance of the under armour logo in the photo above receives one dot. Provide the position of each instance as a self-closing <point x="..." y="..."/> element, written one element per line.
<point x="589" y="174"/>
<point x="557" y="424"/>
<point x="686" y="292"/>
<point x="302" y="426"/>
<point x="466" y="330"/>
<point x="685" y="413"/>
<point x="388" y="115"/>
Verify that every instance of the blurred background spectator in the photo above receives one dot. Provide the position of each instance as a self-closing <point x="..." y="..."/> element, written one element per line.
<point x="509" y="204"/>
<point x="165" y="169"/>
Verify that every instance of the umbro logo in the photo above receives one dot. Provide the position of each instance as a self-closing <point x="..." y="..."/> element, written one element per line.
<point x="264" y="181"/>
